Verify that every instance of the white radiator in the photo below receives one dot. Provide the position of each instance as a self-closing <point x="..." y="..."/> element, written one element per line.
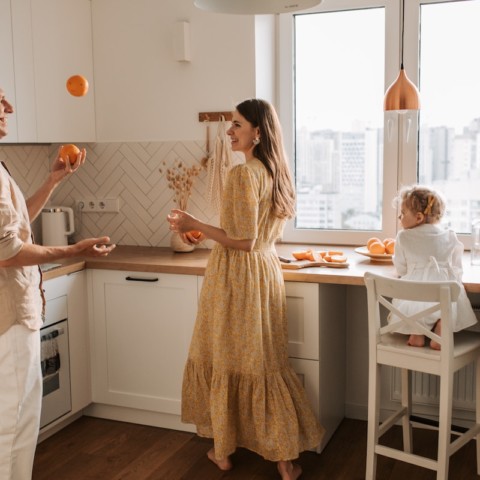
<point x="426" y="388"/>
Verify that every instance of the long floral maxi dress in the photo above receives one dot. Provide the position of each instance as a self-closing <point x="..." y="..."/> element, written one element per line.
<point x="238" y="386"/>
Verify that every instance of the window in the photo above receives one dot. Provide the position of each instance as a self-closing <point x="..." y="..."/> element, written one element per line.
<point x="348" y="155"/>
<point x="449" y="142"/>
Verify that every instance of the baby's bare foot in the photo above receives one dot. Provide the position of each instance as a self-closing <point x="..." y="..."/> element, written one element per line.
<point x="289" y="470"/>
<point x="223" y="464"/>
<point x="438" y="330"/>
<point x="416" y="340"/>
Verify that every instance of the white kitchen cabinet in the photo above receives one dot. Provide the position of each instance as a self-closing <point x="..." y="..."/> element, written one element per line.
<point x="142" y="326"/>
<point x="44" y="43"/>
<point x="316" y="346"/>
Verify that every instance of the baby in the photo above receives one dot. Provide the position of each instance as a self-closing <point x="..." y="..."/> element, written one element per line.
<point x="426" y="251"/>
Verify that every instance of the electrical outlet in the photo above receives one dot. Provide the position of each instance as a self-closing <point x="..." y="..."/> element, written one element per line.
<point x="98" y="205"/>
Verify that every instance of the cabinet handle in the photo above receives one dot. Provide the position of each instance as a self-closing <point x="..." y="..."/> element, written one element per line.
<point x="138" y="279"/>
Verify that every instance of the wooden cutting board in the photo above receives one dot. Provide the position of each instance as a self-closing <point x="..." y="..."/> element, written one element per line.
<point x="297" y="264"/>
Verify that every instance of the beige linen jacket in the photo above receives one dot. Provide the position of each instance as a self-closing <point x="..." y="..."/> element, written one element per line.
<point x="20" y="299"/>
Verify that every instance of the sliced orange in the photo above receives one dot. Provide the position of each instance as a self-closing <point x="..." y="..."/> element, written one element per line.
<point x="195" y="233"/>
<point x="310" y="256"/>
<point x="321" y="253"/>
<point x="335" y="252"/>
<point x="377" y="248"/>
<point x="338" y="259"/>
<point x="300" y="255"/>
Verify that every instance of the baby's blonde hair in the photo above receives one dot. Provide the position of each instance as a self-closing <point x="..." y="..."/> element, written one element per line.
<point x="423" y="199"/>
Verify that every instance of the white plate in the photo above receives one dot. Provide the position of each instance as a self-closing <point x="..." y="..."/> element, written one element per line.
<point x="376" y="257"/>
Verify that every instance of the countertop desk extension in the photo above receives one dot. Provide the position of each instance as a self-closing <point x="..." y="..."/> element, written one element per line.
<point x="163" y="260"/>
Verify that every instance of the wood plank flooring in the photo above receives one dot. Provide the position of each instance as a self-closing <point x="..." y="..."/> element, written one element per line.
<point x="97" y="449"/>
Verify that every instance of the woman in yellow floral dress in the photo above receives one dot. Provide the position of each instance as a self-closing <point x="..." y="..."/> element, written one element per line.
<point x="238" y="386"/>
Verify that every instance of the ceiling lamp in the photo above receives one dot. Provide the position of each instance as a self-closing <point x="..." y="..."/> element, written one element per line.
<point x="255" y="7"/>
<point x="402" y="94"/>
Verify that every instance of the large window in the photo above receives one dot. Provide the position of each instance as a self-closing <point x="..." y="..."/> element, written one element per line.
<point x="449" y="144"/>
<point x="350" y="157"/>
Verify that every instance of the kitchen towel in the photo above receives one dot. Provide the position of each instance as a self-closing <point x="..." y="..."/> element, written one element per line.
<point x="218" y="166"/>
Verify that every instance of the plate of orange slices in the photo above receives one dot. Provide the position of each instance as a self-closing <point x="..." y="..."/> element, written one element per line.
<point x="378" y="250"/>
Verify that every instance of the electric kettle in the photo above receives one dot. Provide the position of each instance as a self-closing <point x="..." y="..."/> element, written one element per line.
<point x="57" y="224"/>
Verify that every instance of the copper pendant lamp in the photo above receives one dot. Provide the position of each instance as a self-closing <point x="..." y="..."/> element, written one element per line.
<point x="402" y="94"/>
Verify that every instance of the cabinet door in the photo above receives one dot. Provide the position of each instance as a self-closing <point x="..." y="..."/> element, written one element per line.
<point x="79" y="341"/>
<point x="62" y="47"/>
<point x="303" y="320"/>
<point x="142" y="326"/>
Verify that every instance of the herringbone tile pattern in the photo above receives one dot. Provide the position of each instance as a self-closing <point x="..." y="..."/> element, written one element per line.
<point x="128" y="171"/>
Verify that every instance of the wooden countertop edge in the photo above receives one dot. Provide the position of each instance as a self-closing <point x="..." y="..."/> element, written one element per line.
<point x="163" y="260"/>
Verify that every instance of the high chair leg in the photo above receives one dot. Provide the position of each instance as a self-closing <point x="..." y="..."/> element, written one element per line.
<point x="444" y="426"/>
<point x="407" y="403"/>
<point x="477" y="408"/>
<point x="373" y="420"/>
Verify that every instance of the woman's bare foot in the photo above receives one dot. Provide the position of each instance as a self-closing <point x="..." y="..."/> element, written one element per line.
<point x="289" y="470"/>
<point x="223" y="464"/>
<point x="416" y="340"/>
<point x="438" y="330"/>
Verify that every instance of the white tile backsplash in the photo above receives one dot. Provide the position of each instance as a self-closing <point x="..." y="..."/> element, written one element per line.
<point x="128" y="171"/>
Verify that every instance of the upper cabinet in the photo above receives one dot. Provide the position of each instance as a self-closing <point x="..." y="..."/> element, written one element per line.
<point x="45" y="42"/>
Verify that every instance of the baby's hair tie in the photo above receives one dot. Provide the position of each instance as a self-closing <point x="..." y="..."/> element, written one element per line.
<point x="428" y="208"/>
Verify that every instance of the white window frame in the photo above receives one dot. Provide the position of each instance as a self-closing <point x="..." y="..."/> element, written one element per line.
<point x="396" y="126"/>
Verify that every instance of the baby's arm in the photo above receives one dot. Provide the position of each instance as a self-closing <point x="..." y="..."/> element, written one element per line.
<point x="399" y="260"/>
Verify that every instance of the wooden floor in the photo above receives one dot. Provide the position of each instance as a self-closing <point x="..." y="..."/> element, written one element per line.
<point x="92" y="448"/>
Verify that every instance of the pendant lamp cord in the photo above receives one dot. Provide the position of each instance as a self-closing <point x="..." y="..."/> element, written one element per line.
<point x="403" y="30"/>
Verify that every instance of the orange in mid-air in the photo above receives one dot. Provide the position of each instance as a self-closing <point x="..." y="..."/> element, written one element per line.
<point x="71" y="151"/>
<point x="77" y="85"/>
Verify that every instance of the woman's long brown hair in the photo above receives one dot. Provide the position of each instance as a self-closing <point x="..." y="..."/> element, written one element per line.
<point x="270" y="151"/>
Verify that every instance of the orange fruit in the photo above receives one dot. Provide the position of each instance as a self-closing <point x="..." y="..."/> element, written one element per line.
<point x="338" y="258"/>
<point x="71" y="151"/>
<point x="371" y="240"/>
<point x="335" y="252"/>
<point x="304" y="255"/>
<point x="390" y="247"/>
<point x="377" y="248"/>
<point x="77" y="85"/>
<point x="195" y="233"/>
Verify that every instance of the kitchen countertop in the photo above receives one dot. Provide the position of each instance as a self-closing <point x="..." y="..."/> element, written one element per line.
<point x="164" y="260"/>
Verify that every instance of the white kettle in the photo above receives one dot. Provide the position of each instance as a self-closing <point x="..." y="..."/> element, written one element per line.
<point x="57" y="224"/>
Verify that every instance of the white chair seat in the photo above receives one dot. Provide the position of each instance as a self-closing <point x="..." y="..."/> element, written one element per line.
<point x="391" y="349"/>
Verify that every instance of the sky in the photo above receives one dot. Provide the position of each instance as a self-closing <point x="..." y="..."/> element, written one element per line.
<point x="353" y="44"/>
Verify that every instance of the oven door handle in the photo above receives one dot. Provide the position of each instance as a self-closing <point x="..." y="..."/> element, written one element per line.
<point x="53" y="334"/>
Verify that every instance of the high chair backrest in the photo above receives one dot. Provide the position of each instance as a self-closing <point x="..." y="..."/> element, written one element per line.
<point x="438" y="296"/>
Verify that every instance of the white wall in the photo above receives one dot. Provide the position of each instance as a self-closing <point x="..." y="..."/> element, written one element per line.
<point x="142" y="93"/>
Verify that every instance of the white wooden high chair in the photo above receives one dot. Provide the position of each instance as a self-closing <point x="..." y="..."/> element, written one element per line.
<point x="388" y="348"/>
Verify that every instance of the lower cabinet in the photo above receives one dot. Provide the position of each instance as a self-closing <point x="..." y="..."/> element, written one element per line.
<point x="316" y="347"/>
<point x="141" y="329"/>
<point x="142" y="324"/>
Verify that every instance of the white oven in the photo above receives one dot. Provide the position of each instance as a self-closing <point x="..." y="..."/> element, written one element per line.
<point x="55" y="362"/>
